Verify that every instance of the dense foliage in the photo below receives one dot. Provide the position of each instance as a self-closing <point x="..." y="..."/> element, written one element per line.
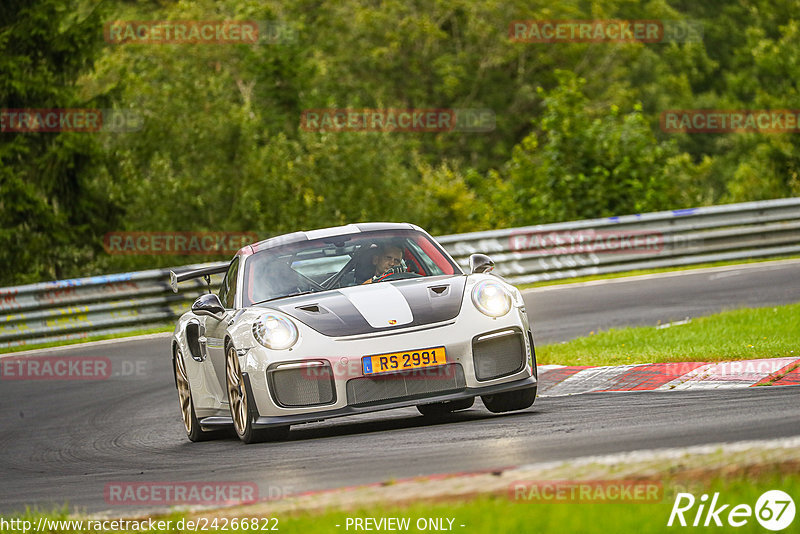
<point x="221" y="148"/>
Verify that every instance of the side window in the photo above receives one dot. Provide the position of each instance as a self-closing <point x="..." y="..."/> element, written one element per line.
<point x="227" y="290"/>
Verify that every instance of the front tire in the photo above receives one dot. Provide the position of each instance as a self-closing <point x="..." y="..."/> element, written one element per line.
<point x="190" y="423"/>
<point x="442" y="408"/>
<point x="510" y="401"/>
<point x="242" y="413"/>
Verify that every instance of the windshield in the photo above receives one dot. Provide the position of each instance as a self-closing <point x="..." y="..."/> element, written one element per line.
<point x="342" y="261"/>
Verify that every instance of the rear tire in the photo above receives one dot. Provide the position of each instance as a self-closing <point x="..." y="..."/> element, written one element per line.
<point x="242" y="413"/>
<point x="511" y="400"/>
<point x="442" y="408"/>
<point x="190" y="423"/>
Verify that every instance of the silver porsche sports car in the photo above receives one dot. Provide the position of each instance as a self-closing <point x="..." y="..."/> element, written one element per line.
<point x="347" y="320"/>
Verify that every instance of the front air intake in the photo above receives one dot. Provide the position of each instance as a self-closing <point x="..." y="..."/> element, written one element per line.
<point x="301" y="384"/>
<point x="498" y="354"/>
<point x="420" y="383"/>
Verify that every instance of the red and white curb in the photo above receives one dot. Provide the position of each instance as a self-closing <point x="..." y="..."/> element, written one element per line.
<point x="558" y="380"/>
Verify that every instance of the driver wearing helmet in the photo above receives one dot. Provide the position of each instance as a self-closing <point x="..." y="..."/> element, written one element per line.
<point x="388" y="260"/>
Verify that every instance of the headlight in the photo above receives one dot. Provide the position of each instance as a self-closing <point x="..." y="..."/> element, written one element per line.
<point x="275" y="331"/>
<point x="491" y="298"/>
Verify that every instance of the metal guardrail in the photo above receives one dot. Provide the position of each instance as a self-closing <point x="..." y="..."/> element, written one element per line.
<point x="69" y="309"/>
<point x="679" y="237"/>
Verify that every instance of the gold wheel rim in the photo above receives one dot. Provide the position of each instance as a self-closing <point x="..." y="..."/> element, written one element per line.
<point x="184" y="394"/>
<point x="236" y="398"/>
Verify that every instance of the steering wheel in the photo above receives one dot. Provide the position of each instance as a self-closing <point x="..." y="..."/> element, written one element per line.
<point x="399" y="276"/>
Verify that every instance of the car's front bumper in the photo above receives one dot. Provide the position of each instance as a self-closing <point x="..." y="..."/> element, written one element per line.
<point x="468" y="372"/>
<point x="268" y="421"/>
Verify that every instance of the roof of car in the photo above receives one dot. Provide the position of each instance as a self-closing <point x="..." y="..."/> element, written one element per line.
<point x="296" y="237"/>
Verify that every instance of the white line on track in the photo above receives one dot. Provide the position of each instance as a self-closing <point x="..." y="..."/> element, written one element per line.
<point x="74" y="346"/>
<point x="672" y="453"/>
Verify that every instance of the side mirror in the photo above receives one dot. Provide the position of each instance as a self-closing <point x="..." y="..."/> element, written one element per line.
<point x="480" y="263"/>
<point x="208" y="304"/>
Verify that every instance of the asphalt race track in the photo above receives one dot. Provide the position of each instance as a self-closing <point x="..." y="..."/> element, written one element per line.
<point x="63" y="441"/>
<point x="560" y="313"/>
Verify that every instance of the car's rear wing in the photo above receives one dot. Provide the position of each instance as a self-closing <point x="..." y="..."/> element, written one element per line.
<point x="205" y="272"/>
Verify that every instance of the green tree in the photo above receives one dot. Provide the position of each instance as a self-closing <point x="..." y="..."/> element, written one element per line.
<point x="51" y="204"/>
<point x="577" y="124"/>
<point x="581" y="162"/>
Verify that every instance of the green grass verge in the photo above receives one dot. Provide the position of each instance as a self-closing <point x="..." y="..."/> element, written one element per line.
<point x="131" y="333"/>
<point x="502" y="514"/>
<point x="748" y="333"/>
<point x="640" y="272"/>
<point x="505" y="514"/>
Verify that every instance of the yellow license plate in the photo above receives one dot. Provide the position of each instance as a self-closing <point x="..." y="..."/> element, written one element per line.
<point x="403" y="361"/>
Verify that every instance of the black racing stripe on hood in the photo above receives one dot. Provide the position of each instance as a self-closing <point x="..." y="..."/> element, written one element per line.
<point x="331" y="313"/>
<point x="428" y="306"/>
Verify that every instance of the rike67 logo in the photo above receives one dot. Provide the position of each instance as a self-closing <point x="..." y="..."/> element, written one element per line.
<point x="774" y="510"/>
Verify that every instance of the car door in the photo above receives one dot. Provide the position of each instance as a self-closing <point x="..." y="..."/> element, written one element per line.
<point x="215" y="329"/>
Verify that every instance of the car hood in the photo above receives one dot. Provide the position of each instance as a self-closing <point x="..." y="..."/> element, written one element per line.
<point x="377" y="307"/>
